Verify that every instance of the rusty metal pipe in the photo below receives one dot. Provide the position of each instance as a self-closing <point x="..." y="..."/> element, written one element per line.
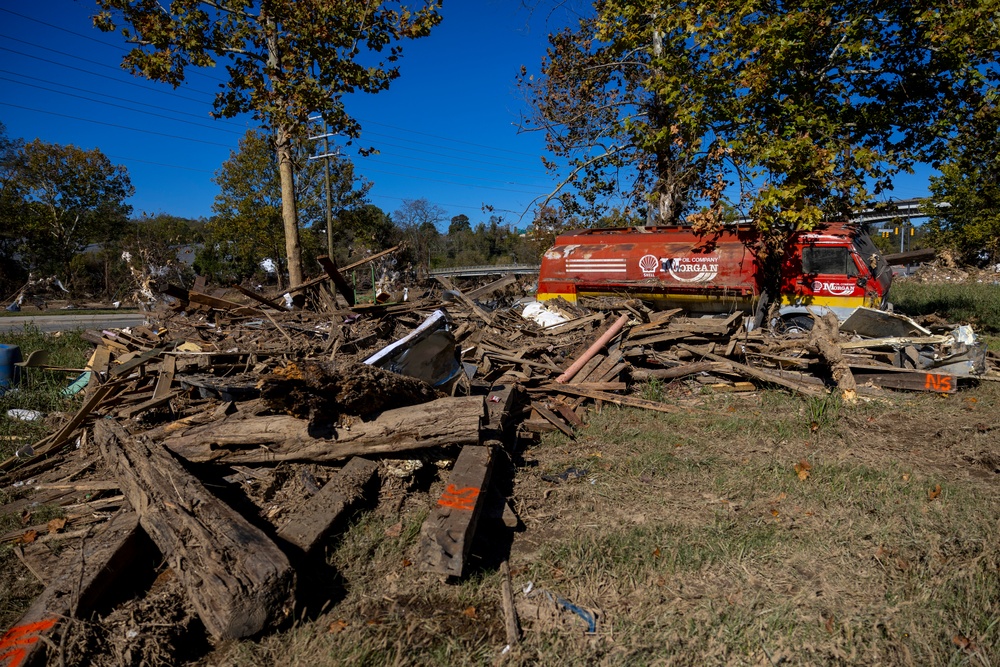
<point x="593" y="349"/>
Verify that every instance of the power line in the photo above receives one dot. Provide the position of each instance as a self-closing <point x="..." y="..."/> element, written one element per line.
<point x="121" y="106"/>
<point x="105" y="76"/>
<point x="160" y="164"/>
<point x="92" y="39"/>
<point x="120" y="127"/>
<point x="106" y="96"/>
<point x="80" y="58"/>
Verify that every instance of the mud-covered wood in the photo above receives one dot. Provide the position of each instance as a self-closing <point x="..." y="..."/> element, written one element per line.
<point x="237" y="579"/>
<point x="265" y="439"/>
<point x="446" y="536"/>
<point x="324" y="390"/>
<point x="81" y="582"/>
<point x="307" y="526"/>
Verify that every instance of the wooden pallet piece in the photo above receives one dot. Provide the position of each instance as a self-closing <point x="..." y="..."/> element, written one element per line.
<point x="447" y="534"/>
<point x="236" y="578"/>
<point x="310" y="524"/>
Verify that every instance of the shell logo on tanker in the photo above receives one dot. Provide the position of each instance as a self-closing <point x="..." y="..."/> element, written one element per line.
<point x="685" y="269"/>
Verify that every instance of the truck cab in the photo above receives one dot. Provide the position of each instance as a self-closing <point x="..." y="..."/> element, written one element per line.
<point x="833" y="268"/>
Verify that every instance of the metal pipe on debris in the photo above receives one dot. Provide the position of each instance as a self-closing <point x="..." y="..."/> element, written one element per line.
<point x="593" y="349"/>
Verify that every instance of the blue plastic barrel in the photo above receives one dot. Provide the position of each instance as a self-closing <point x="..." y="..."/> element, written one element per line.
<point x="9" y="373"/>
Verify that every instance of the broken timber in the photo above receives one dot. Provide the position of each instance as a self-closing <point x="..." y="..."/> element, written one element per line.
<point x="445" y="421"/>
<point x="78" y="587"/>
<point x="446" y="536"/>
<point x="237" y="579"/>
<point x="309" y="525"/>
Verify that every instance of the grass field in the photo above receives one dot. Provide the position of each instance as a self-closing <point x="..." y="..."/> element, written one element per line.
<point x="963" y="303"/>
<point x="749" y="530"/>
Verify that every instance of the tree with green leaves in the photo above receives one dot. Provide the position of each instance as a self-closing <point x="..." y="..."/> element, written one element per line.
<point x="418" y="220"/>
<point x="67" y="199"/>
<point x="248" y="226"/>
<point x="10" y="200"/>
<point x="812" y="107"/>
<point x="285" y="60"/>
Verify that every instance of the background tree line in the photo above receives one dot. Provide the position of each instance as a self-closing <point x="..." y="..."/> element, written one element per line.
<point x="63" y="213"/>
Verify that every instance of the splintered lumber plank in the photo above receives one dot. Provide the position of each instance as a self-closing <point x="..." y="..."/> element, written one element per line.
<point x="446" y="536"/>
<point x="237" y="579"/>
<point x="553" y="419"/>
<point x="82" y="579"/>
<point x="268" y="439"/>
<point x="469" y="303"/>
<point x="312" y="522"/>
<point x="330" y="267"/>
<point x="250" y="294"/>
<point x="166" y="377"/>
<point x="60" y="438"/>
<point x="508" y="279"/>
<point x="577" y="390"/>
<point x="222" y="304"/>
<point x="941" y="383"/>
<point x="657" y="338"/>
<point x="757" y="374"/>
<point x="557" y="329"/>
<point x="675" y="372"/>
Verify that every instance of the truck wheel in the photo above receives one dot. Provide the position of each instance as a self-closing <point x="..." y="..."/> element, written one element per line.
<point x="795" y="324"/>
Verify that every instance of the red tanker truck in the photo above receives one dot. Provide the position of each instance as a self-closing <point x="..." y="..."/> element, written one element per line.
<point x="833" y="268"/>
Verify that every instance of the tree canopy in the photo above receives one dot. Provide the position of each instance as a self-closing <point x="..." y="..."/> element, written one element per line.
<point x="66" y="199"/>
<point x="285" y="61"/>
<point x="247" y="227"/>
<point x="811" y="107"/>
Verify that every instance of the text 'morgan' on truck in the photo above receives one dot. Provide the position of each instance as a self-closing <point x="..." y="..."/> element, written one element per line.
<point x="834" y="267"/>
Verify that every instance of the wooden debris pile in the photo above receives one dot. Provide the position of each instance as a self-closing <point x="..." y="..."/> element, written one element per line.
<point x="229" y="437"/>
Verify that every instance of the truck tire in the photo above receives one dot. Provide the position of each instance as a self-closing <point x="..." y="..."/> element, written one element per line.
<point x="795" y="324"/>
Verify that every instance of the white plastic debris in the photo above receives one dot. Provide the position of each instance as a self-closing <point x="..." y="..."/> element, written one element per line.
<point x="24" y="415"/>
<point x="538" y="313"/>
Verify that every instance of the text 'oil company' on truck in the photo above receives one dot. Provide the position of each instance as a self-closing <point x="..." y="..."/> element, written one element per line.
<point x="833" y="268"/>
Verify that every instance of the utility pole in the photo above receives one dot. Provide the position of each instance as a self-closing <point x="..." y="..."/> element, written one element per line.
<point x="326" y="179"/>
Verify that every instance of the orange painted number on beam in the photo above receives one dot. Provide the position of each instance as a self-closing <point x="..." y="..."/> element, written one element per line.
<point x="15" y="645"/>
<point x="938" y="382"/>
<point x="459" y="499"/>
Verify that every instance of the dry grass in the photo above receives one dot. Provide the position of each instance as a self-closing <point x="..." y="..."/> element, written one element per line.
<point x="703" y="539"/>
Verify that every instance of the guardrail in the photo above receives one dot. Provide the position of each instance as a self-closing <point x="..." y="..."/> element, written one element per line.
<point x="472" y="271"/>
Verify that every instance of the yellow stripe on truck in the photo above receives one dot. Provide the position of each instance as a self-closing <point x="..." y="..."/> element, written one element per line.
<point x="830" y="301"/>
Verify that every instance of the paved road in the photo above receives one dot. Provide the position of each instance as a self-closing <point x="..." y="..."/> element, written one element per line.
<point x="70" y="322"/>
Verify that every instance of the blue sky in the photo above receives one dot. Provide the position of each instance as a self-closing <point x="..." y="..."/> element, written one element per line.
<point x="446" y="129"/>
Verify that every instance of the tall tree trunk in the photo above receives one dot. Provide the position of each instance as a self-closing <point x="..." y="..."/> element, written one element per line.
<point x="289" y="214"/>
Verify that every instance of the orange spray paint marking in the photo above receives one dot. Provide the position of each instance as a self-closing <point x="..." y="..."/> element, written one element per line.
<point x="15" y="645"/>
<point x="937" y="382"/>
<point x="460" y="499"/>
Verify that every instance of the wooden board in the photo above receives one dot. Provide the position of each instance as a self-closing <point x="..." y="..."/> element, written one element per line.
<point x="82" y="579"/>
<point x="311" y="523"/>
<point x="910" y="380"/>
<point x="330" y="267"/>
<point x="446" y="536"/>
<point x="238" y="581"/>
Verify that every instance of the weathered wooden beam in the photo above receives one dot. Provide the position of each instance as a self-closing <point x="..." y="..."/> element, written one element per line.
<point x="758" y="374"/>
<point x="330" y="267"/>
<point x="222" y="304"/>
<point x="446" y="536"/>
<point x="80" y="583"/>
<point x="577" y="390"/>
<point x="237" y="579"/>
<point x="910" y="380"/>
<point x="553" y="419"/>
<point x="268" y="439"/>
<point x="469" y="303"/>
<point x="264" y="301"/>
<point x="508" y="279"/>
<point x="311" y="523"/>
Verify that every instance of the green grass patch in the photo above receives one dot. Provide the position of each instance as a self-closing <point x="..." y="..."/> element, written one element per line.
<point x="39" y="390"/>
<point x="963" y="303"/>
